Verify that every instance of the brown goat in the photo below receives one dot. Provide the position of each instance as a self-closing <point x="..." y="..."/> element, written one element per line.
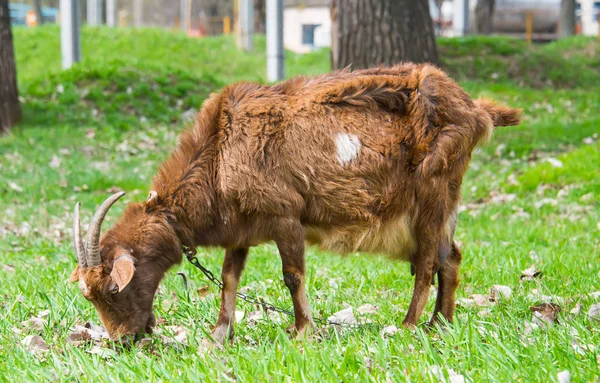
<point x="370" y="160"/>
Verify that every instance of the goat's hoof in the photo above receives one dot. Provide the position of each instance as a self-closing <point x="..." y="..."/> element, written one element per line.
<point x="304" y="332"/>
<point x="220" y="334"/>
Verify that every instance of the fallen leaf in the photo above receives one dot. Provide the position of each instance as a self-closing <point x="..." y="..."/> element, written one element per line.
<point x="594" y="311"/>
<point x="15" y="187"/>
<point x="389" y="331"/>
<point x="564" y="377"/>
<point x="545" y="313"/>
<point x="500" y="291"/>
<point x="34" y="324"/>
<point x="530" y="274"/>
<point x="367" y="309"/>
<point x="239" y="316"/>
<point x="595" y="294"/>
<point x="102" y="352"/>
<point x="254" y="316"/>
<point x="43" y="313"/>
<point x="576" y="310"/>
<point x="554" y="162"/>
<point x="481" y="300"/>
<point x="55" y="162"/>
<point x="35" y="343"/>
<point x="90" y="133"/>
<point x="8" y="268"/>
<point x="345" y="316"/>
<point x="203" y="290"/>
<point x="438" y="373"/>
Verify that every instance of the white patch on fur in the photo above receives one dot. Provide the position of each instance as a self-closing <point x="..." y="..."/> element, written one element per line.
<point x="348" y="146"/>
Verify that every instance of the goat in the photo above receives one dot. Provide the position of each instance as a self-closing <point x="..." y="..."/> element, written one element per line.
<point x="369" y="161"/>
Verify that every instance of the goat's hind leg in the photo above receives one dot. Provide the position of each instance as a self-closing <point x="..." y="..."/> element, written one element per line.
<point x="424" y="263"/>
<point x="447" y="284"/>
<point x="233" y="264"/>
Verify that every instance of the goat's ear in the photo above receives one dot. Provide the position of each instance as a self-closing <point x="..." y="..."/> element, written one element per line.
<point x="74" y="275"/>
<point x="123" y="270"/>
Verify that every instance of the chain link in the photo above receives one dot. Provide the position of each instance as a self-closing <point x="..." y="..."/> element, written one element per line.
<point x="191" y="257"/>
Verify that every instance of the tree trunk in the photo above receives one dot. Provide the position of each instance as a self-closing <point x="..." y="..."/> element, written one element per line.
<point x="37" y="8"/>
<point x="566" y="24"/>
<point x="484" y="11"/>
<point x="10" y="111"/>
<point x="367" y="33"/>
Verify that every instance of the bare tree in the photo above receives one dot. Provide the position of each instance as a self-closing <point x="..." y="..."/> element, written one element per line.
<point x="10" y="111"/>
<point x="566" y="24"/>
<point x="366" y="33"/>
<point x="484" y="11"/>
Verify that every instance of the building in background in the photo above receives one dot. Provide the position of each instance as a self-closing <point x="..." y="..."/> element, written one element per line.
<point x="306" y="25"/>
<point x="18" y="13"/>
<point x="509" y="17"/>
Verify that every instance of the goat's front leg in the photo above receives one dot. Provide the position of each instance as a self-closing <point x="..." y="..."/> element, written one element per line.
<point x="233" y="264"/>
<point x="291" y="249"/>
<point x="447" y="284"/>
<point x="424" y="262"/>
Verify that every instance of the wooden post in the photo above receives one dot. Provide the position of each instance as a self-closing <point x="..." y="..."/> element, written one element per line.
<point x="529" y="27"/>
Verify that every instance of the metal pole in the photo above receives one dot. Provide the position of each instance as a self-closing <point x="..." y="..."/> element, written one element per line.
<point x="137" y="13"/>
<point x="246" y="16"/>
<point x="93" y="12"/>
<point x="460" y="17"/>
<point x="70" y="25"/>
<point x="183" y="15"/>
<point x="275" y="55"/>
<point x="111" y="13"/>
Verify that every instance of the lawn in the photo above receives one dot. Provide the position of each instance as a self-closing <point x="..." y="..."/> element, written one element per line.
<point x="531" y="197"/>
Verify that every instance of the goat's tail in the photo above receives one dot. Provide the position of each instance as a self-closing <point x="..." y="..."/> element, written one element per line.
<point x="501" y="115"/>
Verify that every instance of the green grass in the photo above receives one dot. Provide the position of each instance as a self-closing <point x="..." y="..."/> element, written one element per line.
<point x="64" y="152"/>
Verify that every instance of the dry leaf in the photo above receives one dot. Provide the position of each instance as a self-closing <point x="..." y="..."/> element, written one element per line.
<point x="239" y="316"/>
<point x="8" y="268"/>
<point x="345" y="316"/>
<point x="554" y="162"/>
<point x="594" y="311"/>
<point x="576" y="310"/>
<point x="389" y="331"/>
<point x="103" y="352"/>
<point x="438" y="373"/>
<point x="55" y="162"/>
<point x="34" y="324"/>
<point x="367" y="309"/>
<point x="545" y="313"/>
<point x="254" y="316"/>
<point x="15" y="187"/>
<point x="500" y="291"/>
<point x="90" y="133"/>
<point x="35" y="343"/>
<point x="564" y="377"/>
<point x="530" y="274"/>
<point x="481" y="300"/>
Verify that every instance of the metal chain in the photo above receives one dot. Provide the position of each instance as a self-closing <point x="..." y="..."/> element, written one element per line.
<point x="191" y="256"/>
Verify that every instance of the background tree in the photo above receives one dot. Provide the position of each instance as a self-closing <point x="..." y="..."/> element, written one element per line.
<point x="37" y="8"/>
<point x="10" y="111"/>
<point x="484" y="11"/>
<point x="372" y="32"/>
<point x="566" y="24"/>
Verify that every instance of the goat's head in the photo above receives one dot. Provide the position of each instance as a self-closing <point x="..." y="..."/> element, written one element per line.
<point x="119" y="274"/>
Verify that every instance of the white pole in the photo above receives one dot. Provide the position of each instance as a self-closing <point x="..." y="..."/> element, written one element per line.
<point x="93" y="12"/>
<point x="137" y="13"/>
<point x="70" y="25"/>
<point x="460" y="17"/>
<point x="246" y="16"/>
<point x="275" y="54"/>
<point x="111" y="13"/>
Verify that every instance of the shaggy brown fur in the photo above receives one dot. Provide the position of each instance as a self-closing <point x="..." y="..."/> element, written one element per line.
<point x="370" y="160"/>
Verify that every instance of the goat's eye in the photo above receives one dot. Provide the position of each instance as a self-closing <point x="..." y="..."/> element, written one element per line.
<point x="114" y="290"/>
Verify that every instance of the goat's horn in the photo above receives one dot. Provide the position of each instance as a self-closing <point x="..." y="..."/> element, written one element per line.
<point x="93" y="233"/>
<point x="78" y="240"/>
